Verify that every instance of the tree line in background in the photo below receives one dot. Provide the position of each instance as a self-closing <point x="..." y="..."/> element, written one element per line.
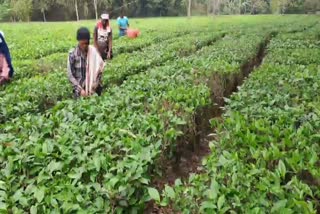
<point x="61" y="10"/>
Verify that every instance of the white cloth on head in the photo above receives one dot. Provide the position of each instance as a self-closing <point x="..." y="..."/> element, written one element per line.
<point x="105" y="16"/>
<point x="95" y="66"/>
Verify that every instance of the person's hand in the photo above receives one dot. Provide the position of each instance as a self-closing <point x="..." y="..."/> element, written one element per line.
<point x="83" y="93"/>
<point x="2" y="80"/>
<point x="108" y="55"/>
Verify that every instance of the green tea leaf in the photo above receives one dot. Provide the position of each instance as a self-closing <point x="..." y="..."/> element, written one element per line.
<point x="164" y="203"/>
<point x="23" y="201"/>
<point x="214" y="190"/>
<point x="33" y="210"/>
<point x="97" y="162"/>
<point x="282" y="169"/>
<point x="54" y="166"/>
<point x="278" y="206"/>
<point x="17" y="195"/>
<point x="207" y="205"/>
<point x="178" y="182"/>
<point x="45" y="148"/>
<point x="39" y="194"/>
<point x="3" y="206"/>
<point x="221" y="201"/>
<point x="144" y="180"/>
<point x="2" y="185"/>
<point x="170" y="192"/>
<point x="123" y="203"/>
<point x="154" y="194"/>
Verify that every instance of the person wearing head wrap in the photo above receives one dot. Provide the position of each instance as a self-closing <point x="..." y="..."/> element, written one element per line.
<point x="85" y="66"/>
<point x="103" y="37"/>
<point x="6" y="68"/>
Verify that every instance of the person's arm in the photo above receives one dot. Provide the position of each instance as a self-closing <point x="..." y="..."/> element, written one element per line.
<point x="72" y="79"/>
<point x="5" y="68"/>
<point x="95" y="36"/>
<point x="110" y="45"/>
<point x="118" y="22"/>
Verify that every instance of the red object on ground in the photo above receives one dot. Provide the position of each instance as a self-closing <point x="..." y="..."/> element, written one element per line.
<point x="133" y="33"/>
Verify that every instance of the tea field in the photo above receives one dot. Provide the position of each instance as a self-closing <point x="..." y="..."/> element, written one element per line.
<point x="201" y="115"/>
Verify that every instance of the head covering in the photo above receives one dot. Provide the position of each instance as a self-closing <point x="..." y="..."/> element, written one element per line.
<point x="5" y="51"/>
<point x="105" y="16"/>
<point x="83" y="34"/>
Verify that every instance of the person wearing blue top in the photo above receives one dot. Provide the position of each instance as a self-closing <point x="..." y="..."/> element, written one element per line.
<point x="123" y="23"/>
<point x="6" y="68"/>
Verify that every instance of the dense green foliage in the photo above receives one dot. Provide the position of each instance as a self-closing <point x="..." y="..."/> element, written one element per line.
<point x="266" y="156"/>
<point x="100" y="154"/>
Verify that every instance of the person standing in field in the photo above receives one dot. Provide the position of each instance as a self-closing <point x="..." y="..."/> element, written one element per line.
<point x="6" y="68"/>
<point x="123" y="23"/>
<point x="103" y="37"/>
<point x="85" y="66"/>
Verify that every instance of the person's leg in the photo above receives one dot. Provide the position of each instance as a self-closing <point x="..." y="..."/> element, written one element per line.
<point x="121" y="33"/>
<point x="102" y="52"/>
<point x="104" y="55"/>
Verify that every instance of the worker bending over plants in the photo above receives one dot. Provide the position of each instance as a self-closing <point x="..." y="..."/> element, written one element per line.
<point x="85" y="66"/>
<point x="103" y="37"/>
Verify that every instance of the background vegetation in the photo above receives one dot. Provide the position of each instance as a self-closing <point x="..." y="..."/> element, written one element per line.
<point x="60" y="10"/>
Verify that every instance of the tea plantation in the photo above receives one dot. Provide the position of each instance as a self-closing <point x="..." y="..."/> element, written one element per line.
<point x="200" y="115"/>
